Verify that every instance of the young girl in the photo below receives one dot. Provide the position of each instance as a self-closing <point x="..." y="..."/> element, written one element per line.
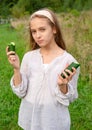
<point x="45" y="94"/>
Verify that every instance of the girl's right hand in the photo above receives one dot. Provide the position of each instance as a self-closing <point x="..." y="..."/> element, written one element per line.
<point x="13" y="59"/>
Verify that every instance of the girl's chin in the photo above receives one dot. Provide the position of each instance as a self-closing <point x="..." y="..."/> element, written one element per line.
<point x="41" y="45"/>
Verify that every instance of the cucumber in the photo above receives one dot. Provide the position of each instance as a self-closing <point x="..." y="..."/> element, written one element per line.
<point x="73" y="64"/>
<point x="11" y="46"/>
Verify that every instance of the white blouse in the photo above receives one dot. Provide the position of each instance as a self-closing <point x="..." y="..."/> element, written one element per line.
<point x="43" y="105"/>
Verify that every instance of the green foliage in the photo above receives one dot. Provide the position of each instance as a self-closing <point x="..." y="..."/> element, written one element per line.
<point x="78" y="4"/>
<point x="22" y="7"/>
<point x="75" y="12"/>
<point x="18" y="8"/>
<point x="18" y="11"/>
<point x="4" y="10"/>
<point x="88" y="4"/>
<point x="5" y="6"/>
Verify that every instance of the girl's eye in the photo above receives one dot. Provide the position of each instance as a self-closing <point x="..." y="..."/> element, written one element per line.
<point x="33" y="31"/>
<point x="42" y="29"/>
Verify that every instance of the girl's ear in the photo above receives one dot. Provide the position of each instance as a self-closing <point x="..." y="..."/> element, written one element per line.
<point x="54" y="30"/>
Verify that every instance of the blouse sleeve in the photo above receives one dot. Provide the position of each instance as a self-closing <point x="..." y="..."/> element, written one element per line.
<point x="21" y="89"/>
<point x="72" y="93"/>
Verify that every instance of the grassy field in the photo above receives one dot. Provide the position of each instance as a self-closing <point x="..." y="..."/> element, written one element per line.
<point x="9" y="103"/>
<point x="78" y="36"/>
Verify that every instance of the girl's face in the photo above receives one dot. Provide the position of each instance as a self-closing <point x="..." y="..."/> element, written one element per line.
<point x="42" y="32"/>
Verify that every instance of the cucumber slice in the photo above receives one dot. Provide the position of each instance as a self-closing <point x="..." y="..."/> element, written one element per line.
<point x="11" y="46"/>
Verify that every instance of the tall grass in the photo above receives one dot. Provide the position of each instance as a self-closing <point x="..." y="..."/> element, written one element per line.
<point x="77" y="33"/>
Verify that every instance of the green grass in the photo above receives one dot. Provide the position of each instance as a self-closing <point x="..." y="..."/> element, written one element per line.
<point x="9" y="103"/>
<point x="81" y="109"/>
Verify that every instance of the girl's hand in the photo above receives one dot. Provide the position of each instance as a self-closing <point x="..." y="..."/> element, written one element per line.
<point x="13" y="59"/>
<point x="67" y="78"/>
<point x="62" y="82"/>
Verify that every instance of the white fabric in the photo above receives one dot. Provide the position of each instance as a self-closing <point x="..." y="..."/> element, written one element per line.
<point x="45" y="66"/>
<point x="44" y="106"/>
<point x="43" y="13"/>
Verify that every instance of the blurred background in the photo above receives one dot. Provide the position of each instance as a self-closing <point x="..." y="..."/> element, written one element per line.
<point x="75" y="17"/>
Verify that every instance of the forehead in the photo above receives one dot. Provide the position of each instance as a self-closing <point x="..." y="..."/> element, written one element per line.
<point x="39" y="21"/>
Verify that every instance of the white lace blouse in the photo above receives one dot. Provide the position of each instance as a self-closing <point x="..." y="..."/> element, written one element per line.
<point x="43" y="105"/>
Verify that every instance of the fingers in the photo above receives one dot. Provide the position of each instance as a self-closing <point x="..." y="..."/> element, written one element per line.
<point x="12" y="57"/>
<point x="62" y="81"/>
<point x="7" y="49"/>
<point x="67" y="74"/>
<point x="9" y="52"/>
<point x="74" y="70"/>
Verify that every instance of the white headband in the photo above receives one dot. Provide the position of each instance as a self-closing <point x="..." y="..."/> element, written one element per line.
<point x="43" y="13"/>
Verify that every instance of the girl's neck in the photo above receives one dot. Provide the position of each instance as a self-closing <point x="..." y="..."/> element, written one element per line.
<point x="51" y="50"/>
<point x="48" y="55"/>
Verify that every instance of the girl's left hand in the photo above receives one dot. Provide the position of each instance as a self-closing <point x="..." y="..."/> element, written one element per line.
<point x="64" y="81"/>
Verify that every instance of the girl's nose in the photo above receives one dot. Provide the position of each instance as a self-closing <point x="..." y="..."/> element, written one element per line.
<point x="38" y="35"/>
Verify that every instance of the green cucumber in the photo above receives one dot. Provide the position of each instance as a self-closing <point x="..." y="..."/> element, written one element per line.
<point x="11" y="46"/>
<point x="73" y="64"/>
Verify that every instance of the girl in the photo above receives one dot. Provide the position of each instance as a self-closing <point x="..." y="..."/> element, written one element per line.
<point x="45" y="94"/>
